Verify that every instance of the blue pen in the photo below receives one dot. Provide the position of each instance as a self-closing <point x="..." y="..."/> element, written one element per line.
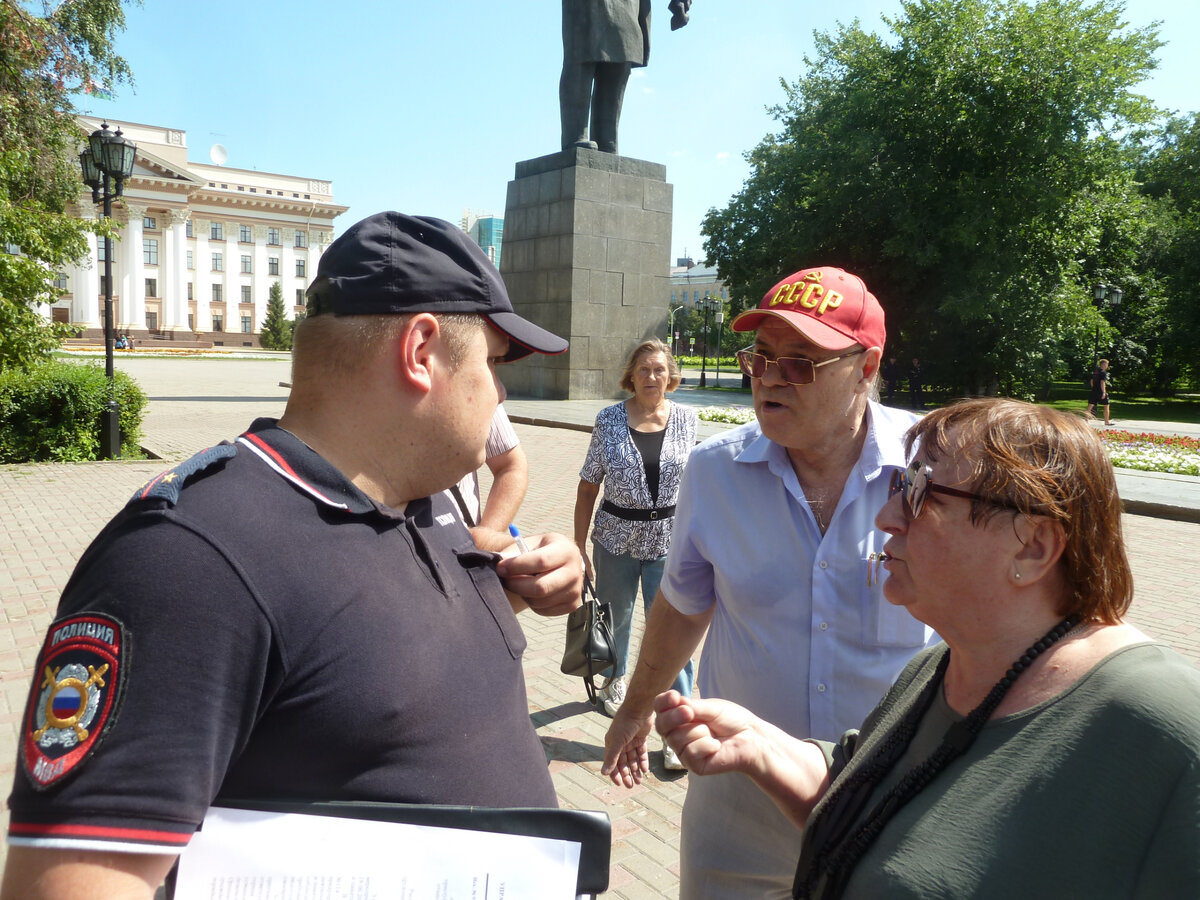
<point x="516" y="536"/>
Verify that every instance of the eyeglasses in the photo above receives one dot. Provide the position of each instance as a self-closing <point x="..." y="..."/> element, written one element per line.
<point x="916" y="482"/>
<point x="793" y="369"/>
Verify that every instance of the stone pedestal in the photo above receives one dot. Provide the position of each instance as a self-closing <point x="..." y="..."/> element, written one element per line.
<point x="586" y="254"/>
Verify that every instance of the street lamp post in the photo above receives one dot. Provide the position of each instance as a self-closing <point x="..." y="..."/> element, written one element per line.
<point x="106" y="163"/>
<point x="708" y="304"/>
<point x="671" y="330"/>
<point x="720" y="317"/>
<point x="1103" y="295"/>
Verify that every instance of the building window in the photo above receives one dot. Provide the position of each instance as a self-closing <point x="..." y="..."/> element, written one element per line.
<point x="151" y="321"/>
<point x="246" y="269"/>
<point x="216" y="292"/>
<point x="272" y="265"/>
<point x="191" y="262"/>
<point x="101" y="249"/>
<point x="216" y="231"/>
<point x="299" y="268"/>
<point x="301" y="238"/>
<point x="151" y="287"/>
<point x="246" y="293"/>
<point x="245" y="324"/>
<point x="218" y="323"/>
<point x="218" y="261"/>
<point x="273" y="237"/>
<point x="187" y="229"/>
<point x="60" y="282"/>
<point x="190" y="297"/>
<point x="150" y="251"/>
<point x="191" y="320"/>
<point x="299" y="296"/>
<point x="245" y="234"/>
<point x="149" y="223"/>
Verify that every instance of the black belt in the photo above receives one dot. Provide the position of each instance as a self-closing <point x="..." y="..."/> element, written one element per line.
<point x="637" y="515"/>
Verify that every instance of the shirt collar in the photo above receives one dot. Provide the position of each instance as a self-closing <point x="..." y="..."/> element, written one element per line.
<point x="883" y="447"/>
<point x="296" y="462"/>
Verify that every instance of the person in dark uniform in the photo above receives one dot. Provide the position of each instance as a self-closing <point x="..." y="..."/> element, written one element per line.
<point x="603" y="40"/>
<point x="300" y="614"/>
<point x="916" y="385"/>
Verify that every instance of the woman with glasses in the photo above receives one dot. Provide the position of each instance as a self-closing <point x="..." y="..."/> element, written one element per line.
<point x="1047" y="748"/>
<point x="638" y="451"/>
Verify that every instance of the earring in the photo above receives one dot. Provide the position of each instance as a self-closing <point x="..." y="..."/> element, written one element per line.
<point x="1017" y="575"/>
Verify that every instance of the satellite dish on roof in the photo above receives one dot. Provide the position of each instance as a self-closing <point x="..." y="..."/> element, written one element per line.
<point x="218" y="154"/>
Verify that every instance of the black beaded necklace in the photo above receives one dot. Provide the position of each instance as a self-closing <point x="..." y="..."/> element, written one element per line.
<point x="828" y="860"/>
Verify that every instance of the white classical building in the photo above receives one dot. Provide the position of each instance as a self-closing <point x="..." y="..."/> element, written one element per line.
<point x="200" y="245"/>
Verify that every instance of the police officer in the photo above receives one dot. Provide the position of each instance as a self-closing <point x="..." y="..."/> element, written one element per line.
<point x="299" y="614"/>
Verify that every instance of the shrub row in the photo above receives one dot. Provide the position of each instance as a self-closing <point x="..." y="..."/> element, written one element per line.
<point x="52" y="412"/>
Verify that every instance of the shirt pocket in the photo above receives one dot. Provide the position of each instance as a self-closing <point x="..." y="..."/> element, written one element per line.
<point x="490" y="591"/>
<point x="885" y="624"/>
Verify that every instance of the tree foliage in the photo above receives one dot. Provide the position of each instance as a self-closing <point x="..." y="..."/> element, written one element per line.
<point x="46" y="57"/>
<point x="969" y="166"/>
<point x="276" y="331"/>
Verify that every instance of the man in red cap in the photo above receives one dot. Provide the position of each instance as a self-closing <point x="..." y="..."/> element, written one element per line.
<point x="774" y="557"/>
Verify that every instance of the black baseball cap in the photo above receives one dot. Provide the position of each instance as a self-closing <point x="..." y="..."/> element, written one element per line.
<point x="394" y="263"/>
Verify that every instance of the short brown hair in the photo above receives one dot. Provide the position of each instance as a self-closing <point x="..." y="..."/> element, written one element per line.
<point x="341" y="345"/>
<point x="1044" y="463"/>
<point x="653" y="345"/>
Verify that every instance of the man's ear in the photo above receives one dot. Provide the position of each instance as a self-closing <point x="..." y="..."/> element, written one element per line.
<point x="870" y="366"/>
<point x="415" y="351"/>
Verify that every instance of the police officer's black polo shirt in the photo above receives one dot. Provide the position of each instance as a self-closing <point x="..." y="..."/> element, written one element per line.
<point x="252" y="625"/>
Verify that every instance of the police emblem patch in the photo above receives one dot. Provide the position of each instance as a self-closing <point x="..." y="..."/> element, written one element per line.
<point x="76" y="692"/>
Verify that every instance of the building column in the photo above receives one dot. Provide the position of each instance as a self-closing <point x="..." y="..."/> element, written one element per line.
<point x="203" y="283"/>
<point x="84" y="281"/>
<point x="133" y="275"/>
<point x="174" y="289"/>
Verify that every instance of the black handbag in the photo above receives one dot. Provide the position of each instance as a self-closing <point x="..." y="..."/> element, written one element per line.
<point x="590" y="648"/>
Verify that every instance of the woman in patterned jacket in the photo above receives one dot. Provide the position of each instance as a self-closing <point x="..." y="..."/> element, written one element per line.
<point x="638" y="451"/>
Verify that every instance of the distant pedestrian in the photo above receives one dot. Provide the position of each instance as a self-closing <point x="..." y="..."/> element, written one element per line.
<point x="916" y="386"/>
<point x="891" y="376"/>
<point x="1099" y="392"/>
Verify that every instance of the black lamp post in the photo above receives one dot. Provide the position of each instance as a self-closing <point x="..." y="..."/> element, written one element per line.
<point x="1103" y="295"/>
<point x="106" y="163"/>
<point x="720" y="319"/>
<point x="708" y="304"/>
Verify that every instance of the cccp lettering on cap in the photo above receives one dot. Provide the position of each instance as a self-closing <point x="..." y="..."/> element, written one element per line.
<point x="829" y="306"/>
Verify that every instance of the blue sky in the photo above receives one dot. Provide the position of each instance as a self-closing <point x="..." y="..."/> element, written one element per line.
<point x="426" y="107"/>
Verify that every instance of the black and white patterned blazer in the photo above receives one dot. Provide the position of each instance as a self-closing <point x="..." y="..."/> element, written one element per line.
<point x="613" y="459"/>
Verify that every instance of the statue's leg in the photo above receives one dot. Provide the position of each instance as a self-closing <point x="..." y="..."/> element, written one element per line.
<point x="574" y="98"/>
<point x="607" y="97"/>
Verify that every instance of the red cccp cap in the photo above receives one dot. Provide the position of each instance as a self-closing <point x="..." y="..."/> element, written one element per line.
<point x="828" y="305"/>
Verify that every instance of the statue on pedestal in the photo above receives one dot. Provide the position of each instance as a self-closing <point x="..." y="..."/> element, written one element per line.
<point x="602" y="42"/>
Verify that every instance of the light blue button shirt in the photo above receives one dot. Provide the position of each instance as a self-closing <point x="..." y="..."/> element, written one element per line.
<point x="798" y="635"/>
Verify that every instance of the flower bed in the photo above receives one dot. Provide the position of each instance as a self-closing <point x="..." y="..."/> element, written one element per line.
<point x="1153" y="452"/>
<point x="1145" y="452"/>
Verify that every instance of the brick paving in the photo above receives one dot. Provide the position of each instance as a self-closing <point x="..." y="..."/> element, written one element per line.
<point x="51" y="511"/>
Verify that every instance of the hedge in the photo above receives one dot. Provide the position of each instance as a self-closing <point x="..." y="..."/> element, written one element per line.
<point x="52" y="412"/>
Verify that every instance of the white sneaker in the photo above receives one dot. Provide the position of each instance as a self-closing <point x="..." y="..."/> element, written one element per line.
<point x="614" y="696"/>
<point x="671" y="760"/>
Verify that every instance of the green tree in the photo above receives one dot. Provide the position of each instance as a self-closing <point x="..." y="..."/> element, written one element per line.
<point x="1170" y="176"/>
<point x="45" y="59"/>
<point x="962" y="165"/>
<point x="276" y="332"/>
